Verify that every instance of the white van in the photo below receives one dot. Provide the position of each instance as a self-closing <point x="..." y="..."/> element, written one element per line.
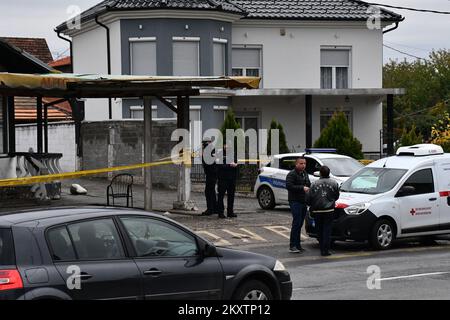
<point x="406" y="195"/>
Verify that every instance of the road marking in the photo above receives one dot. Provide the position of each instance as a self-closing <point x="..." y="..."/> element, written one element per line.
<point x="219" y="241"/>
<point x="283" y="231"/>
<point x="245" y="237"/>
<point x="415" y="276"/>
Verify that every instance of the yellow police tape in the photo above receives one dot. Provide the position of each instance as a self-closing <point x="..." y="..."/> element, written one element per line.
<point x="78" y="174"/>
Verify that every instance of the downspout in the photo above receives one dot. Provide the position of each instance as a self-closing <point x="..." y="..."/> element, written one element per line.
<point x="71" y="48"/>
<point x="108" y="52"/>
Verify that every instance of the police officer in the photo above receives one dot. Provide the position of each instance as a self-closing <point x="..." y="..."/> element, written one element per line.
<point x="227" y="174"/>
<point x="210" y="169"/>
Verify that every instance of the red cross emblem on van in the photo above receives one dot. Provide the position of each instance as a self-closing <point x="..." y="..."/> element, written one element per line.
<point x="413" y="212"/>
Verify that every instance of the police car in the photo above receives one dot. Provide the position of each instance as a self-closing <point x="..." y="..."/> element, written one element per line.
<point x="270" y="187"/>
<point x="407" y="195"/>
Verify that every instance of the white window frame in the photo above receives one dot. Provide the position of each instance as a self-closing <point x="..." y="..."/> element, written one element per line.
<point x="225" y="42"/>
<point x="261" y="61"/>
<point x="141" y="108"/>
<point x="222" y="109"/>
<point x="189" y="39"/>
<point x="333" y="68"/>
<point x="141" y="39"/>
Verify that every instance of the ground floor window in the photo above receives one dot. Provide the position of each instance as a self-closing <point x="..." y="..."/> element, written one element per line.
<point x="137" y="112"/>
<point x="326" y="115"/>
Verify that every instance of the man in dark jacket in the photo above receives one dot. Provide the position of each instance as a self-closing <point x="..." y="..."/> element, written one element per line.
<point x="227" y="174"/>
<point x="322" y="200"/>
<point x="297" y="184"/>
<point x="210" y="169"/>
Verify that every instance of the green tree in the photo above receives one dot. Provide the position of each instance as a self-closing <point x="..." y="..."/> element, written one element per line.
<point x="229" y="123"/>
<point x="338" y="135"/>
<point x="283" y="148"/>
<point x="283" y="143"/>
<point x="410" y="137"/>
<point x="427" y="84"/>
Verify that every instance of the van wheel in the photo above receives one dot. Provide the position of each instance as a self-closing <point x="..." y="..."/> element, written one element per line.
<point x="266" y="198"/>
<point x="382" y="235"/>
<point x="253" y="290"/>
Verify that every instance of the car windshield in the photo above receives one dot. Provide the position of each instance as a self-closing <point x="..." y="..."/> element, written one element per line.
<point x="342" y="167"/>
<point x="6" y="248"/>
<point x="373" y="180"/>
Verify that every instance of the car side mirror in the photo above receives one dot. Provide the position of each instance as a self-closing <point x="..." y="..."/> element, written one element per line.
<point x="316" y="174"/>
<point x="406" y="191"/>
<point x="209" y="251"/>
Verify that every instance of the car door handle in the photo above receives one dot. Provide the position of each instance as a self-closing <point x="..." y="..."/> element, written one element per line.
<point x="432" y="199"/>
<point x="152" y="272"/>
<point x="85" y="276"/>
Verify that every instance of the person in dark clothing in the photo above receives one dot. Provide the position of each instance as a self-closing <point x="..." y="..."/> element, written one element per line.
<point x="227" y="176"/>
<point x="322" y="200"/>
<point x="210" y="169"/>
<point x="297" y="184"/>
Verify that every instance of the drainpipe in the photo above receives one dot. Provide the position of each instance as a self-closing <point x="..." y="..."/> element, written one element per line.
<point x="108" y="52"/>
<point x="71" y="48"/>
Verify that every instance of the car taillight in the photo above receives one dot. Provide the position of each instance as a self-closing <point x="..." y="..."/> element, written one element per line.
<point x="341" y="205"/>
<point x="10" y="279"/>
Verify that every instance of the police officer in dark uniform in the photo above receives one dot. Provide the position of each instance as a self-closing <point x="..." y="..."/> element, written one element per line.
<point x="210" y="169"/>
<point x="227" y="174"/>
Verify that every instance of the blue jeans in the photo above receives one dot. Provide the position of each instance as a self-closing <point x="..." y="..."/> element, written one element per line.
<point x="324" y="223"/>
<point x="298" y="210"/>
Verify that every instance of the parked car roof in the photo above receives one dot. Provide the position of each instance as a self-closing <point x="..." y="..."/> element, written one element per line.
<point x="12" y="218"/>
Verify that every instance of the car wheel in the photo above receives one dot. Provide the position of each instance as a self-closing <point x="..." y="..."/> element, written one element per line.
<point x="253" y="290"/>
<point x="382" y="235"/>
<point x="266" y="198"/>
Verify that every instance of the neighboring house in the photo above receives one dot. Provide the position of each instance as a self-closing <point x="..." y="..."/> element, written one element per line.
<point x="315" y="57"/>
<point x="64" y="65"/>
<point x="37" y="47"/>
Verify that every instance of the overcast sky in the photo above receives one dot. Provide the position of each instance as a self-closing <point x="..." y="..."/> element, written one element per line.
<point x="417" y="35"/>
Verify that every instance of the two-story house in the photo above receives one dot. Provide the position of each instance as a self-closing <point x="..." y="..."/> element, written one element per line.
<point x="314" y="56"/>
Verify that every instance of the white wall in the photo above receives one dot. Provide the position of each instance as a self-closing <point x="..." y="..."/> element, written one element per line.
<point x="290" y="112"/>
<point x="90" y="57"/>
<point x="61" y="139"/>
<point x="293" y="60"/>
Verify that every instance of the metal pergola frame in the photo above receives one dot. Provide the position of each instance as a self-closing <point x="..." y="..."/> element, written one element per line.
<point x="70" y="88"/>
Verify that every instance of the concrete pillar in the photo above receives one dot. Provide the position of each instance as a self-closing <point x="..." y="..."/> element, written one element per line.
<point x="308" y="121"/>
<point x="390" y="124"/>
<point x="148" y="201"/>
<point x="39" y="121"/>
<point x="184" y="201"/>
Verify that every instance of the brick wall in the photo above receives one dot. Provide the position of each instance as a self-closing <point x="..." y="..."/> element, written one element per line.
<point x="117" y="143"/>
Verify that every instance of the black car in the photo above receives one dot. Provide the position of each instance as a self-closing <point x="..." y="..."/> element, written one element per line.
<point x="109" y="253"/>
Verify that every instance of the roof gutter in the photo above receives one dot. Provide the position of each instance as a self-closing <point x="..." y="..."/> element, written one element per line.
<point x="108" y="53"/>
<point x="394" y="27"/>
<point x="71" y="48"/>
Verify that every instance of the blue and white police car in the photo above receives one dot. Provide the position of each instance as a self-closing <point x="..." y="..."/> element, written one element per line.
<point x="270" y="187"/>
<point x="406" y="195"/>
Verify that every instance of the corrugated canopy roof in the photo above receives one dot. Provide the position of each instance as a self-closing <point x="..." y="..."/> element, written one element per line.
<point x="110" y="86"/>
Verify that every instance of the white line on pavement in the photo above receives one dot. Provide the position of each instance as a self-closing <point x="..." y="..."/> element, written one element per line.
<point x="415" y="276"/>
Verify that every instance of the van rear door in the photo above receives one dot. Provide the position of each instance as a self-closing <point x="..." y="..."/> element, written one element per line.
<point x="444" y="194"/>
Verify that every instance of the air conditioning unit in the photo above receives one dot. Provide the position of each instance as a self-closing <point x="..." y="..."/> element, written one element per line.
<point x="420" y="150"/>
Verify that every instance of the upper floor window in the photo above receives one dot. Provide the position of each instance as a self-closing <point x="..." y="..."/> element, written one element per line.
<point x="186" y="56"/>
<point x="247" y="62"/>
<point x="219" y="48"/>
<point x="143" y="56"/>
<point x="334" y="68"/>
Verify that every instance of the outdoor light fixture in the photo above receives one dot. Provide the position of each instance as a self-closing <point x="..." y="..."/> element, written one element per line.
<point x="222" y="29"/>
<point x="141" y="27"/>
<point x="347" y="99"/>
<point x="186" y="27"/>
<point x="282" y="32"/>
